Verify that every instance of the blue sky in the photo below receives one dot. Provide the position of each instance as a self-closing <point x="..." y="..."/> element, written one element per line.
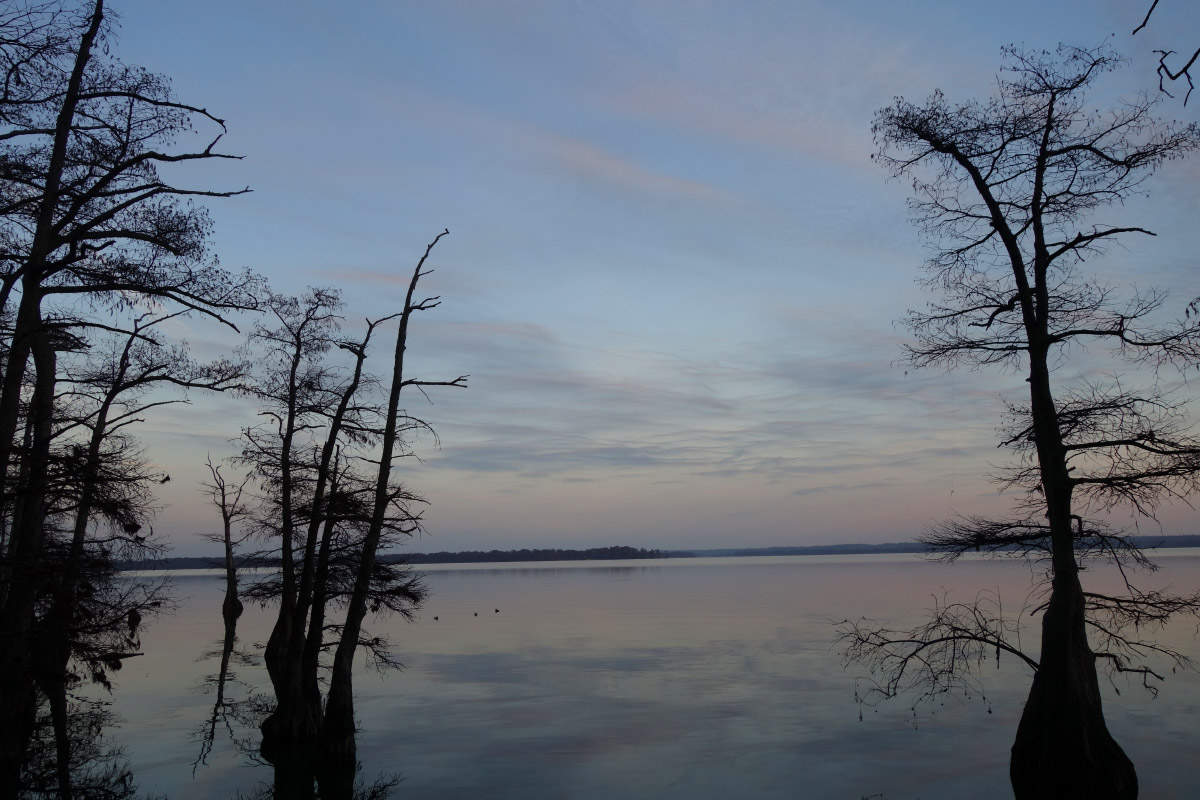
<point x="673" y="273"/>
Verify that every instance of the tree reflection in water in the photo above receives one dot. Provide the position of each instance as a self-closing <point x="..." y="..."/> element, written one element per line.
<point x="98" y="769"/>
<point x="233" y="714"/>
<point x="240" y="711"/>
<point x="296" y="778"/>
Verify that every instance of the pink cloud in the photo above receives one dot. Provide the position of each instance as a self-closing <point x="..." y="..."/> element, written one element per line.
<point x="591" y="161"/>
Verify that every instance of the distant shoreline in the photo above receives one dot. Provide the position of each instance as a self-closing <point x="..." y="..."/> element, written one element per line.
<point x="621" y="553"/>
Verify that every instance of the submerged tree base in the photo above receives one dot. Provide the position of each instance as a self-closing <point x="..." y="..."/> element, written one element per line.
<point x="1063" y="749"/>
<point x="302" y="771"/>
<point x="1070" y="757"/>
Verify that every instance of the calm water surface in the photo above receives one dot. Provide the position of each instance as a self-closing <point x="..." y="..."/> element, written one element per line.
<point x="697" y="678"/>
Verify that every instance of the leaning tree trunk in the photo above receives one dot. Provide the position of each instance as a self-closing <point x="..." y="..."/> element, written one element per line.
<point x="337" y="749"/>
<point x="304" y="647"/>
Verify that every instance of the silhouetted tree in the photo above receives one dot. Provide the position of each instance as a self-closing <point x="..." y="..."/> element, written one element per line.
<point x="323" y="462"/>
<point x="101" y="503"/>
<point x="91" y="236"/>
<point x="305" y="398"/>
<point x="337" y="745"/>
<point x="228" y="500"/>
<point x="296" y="388"/>
<point x="1004" y="191"/>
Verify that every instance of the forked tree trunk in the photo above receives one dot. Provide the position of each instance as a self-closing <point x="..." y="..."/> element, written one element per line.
<point x="304" y="648"/>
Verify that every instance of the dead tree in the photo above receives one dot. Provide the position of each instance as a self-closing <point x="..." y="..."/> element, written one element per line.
<point x="337" y="745"/>
<point x="233" y="700"/>
<point x="228" y="500"/>
<point x="1004" y="191"/>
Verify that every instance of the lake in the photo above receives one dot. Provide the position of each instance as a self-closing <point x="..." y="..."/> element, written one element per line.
<point x="681" y="678"/>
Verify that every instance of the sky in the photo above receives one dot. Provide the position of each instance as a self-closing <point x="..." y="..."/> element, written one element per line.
<point x="674" y="275"/>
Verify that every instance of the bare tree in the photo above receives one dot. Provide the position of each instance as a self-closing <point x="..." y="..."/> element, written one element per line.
<point x="1004" y="192"/>
<point x="227" y="498"/>
<point x="337" y="746"/>
<point x="1165" y="73"/>
<point x="234" y="711"/>
<point x="323" y="461"/>
<point x="295" y="387"/>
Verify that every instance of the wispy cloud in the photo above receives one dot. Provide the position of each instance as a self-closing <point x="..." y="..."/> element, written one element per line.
<point x="589" y="160"/>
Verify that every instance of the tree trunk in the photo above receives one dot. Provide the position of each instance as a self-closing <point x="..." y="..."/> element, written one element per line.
<point x="29" y="315"/>
<point x="287" y="723"/>
<point x="62" y="743"/>
<point x="337" y="783"/>
<point x="53" y="632"/>
<point x="18" y="698"/>
<point x="293" y="773"/>
<point x="231" y="607"/>
<point x="337" y="748"/>
<point x="1063" y="749"/>
<point x="18" y="705"/>
<point x="311" y="657"/>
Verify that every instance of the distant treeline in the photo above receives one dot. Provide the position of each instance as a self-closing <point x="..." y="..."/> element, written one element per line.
<point x="552" y="554"/>
<point x="622" y="554"/>
<point x="811" y="550"/>
<point x="618" y="553"/>
<point x="1144" y="542"/>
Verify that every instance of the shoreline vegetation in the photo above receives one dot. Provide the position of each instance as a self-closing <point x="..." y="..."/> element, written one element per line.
<point x="617" y="553"/>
